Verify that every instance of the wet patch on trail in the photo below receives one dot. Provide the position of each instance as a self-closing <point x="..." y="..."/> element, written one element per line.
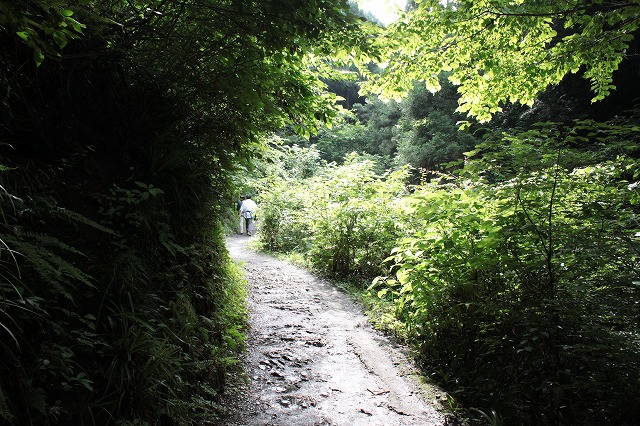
<point x="313" y="359"/>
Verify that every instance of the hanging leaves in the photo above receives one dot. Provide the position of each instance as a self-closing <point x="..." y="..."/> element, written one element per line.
<point x="46" y="26"/>
<point x="504" y="51"/>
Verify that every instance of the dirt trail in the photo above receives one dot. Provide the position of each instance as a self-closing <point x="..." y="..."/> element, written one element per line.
<point x="314" y="360"/>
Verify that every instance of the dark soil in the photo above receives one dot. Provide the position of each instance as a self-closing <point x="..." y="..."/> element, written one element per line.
<point x="313" y="359"/>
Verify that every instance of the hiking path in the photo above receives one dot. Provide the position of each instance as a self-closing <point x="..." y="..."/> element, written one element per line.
<point x="313" y="359"/>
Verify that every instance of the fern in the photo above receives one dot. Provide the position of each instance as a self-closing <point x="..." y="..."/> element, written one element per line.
<point x="83" y="220"/>
<point x="51" y="266"/>
<point x="47" y="240"/>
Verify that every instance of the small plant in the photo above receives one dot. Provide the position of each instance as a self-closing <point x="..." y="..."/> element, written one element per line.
<point x="490" y="419"/>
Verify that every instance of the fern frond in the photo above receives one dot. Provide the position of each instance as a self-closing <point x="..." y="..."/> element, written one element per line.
<point x="52" y="268"/>
<point x="65" y="268"/>
<point x="78" y="218"/>
<point x="48" y="241"/>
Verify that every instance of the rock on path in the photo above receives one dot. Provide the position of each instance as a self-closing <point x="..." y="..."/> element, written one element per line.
<point x="314" y="360"/>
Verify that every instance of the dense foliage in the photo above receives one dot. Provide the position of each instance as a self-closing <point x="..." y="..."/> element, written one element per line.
<point x="520" y="286"/>
<point x="515" y="276"/>
<point x="121" y="126"/>
<point x="344" y="218"/>
<point x="421" y="131"/>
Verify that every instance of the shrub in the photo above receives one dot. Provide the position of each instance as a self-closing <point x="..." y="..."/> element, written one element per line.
<point x="518" y="284"/>
<point x="346" y="218"/>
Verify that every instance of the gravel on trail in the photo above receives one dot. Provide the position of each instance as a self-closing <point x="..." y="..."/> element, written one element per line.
<point x="313" y="359"/>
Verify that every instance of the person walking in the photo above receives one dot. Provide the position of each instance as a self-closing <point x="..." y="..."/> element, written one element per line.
<point x="248" y="211"/>
<point x="241" y="225"/>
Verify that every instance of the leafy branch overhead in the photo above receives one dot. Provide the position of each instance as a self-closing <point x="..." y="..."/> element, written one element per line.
<point x="500" y="51"/>
<point x="264" y="60"/>
<point x="46" y="26"/>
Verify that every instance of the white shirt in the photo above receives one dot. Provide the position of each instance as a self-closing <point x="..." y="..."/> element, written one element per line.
<point x="248" y="205"/>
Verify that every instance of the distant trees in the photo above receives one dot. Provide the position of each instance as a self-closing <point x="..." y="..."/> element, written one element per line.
<point x="422" y="131"/>
<point x="434" y="138"/>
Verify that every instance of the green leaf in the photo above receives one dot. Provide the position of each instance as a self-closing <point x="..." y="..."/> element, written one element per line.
<point x="38" y="56"/>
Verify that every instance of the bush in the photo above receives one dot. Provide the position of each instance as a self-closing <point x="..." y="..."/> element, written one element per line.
<point x="519" y="284"/>
<point x="346" y="218"/>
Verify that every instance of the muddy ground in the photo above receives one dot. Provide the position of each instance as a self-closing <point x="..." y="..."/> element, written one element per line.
<point x="313" y="359"/>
